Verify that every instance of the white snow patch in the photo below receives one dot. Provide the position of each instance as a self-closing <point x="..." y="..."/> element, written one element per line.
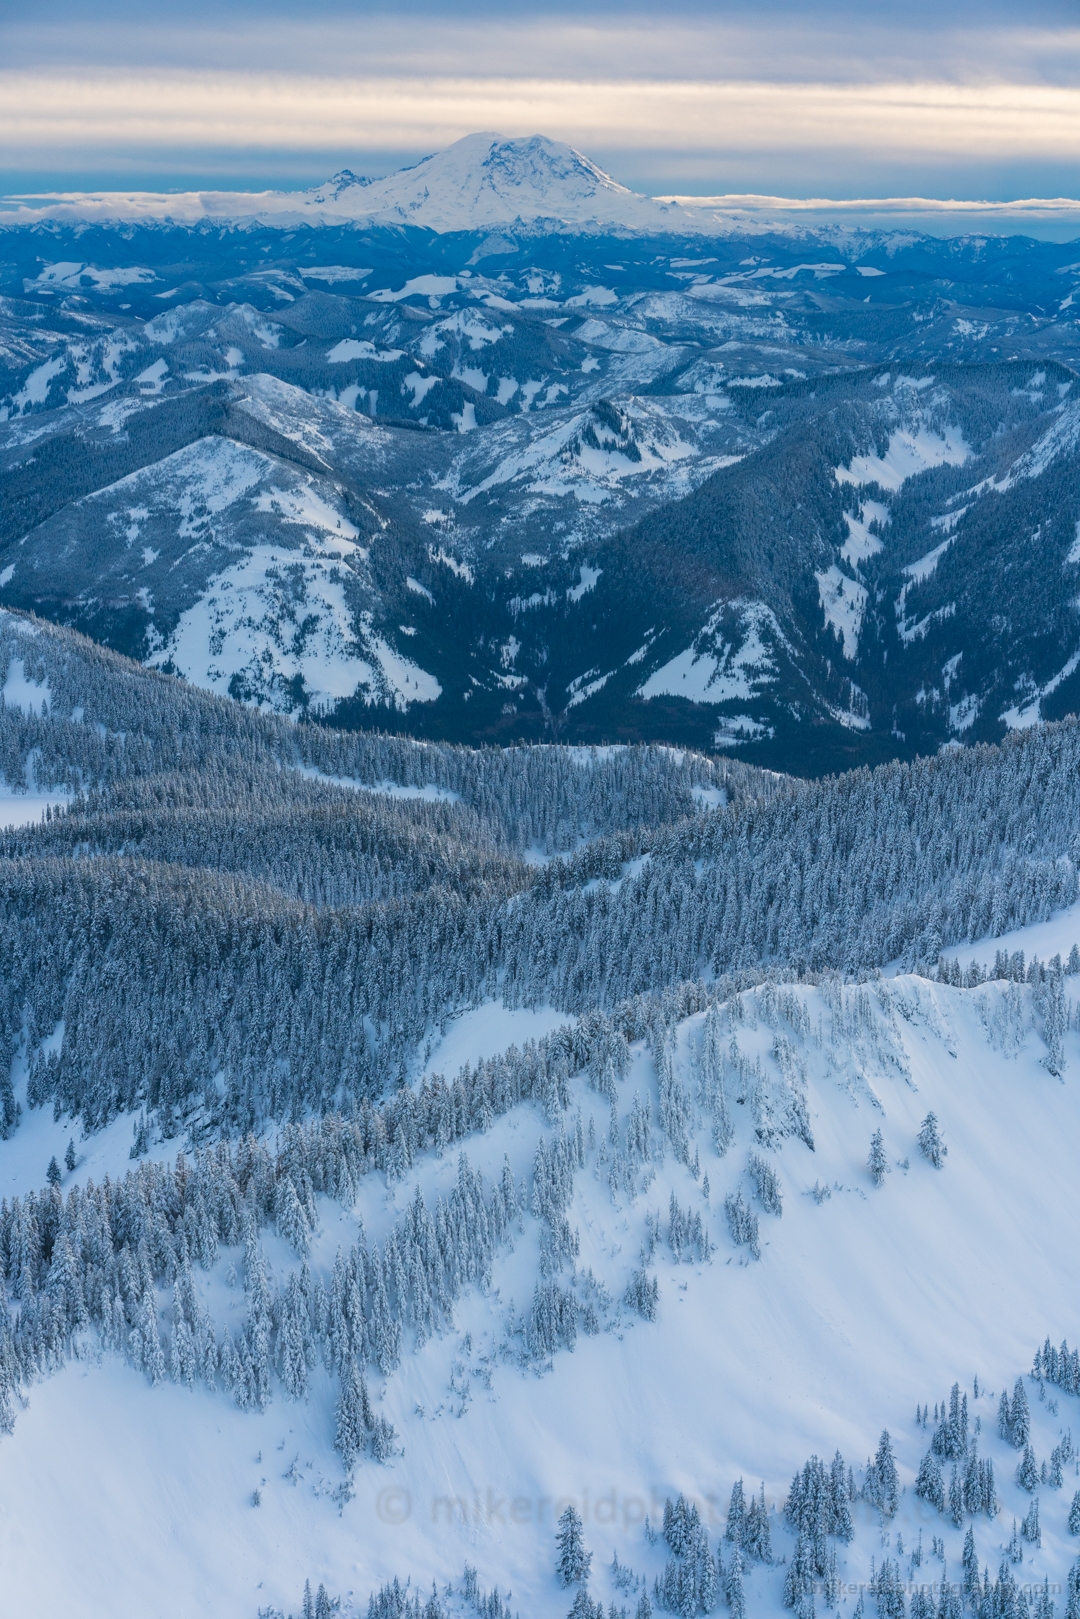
<point x="35" y="389"/>
<point x="486" y="1030"/>
<point x="76" y="276"/>
<point x="924" y="567"/>
<point x="333" y="533"/>
<point x="429" y="793"/>
<point x="736" y="729"/>
<point x="908" y="454"/>
<point x="354" y="348"/>
<point x="331" y="273"/>
<point x="1020" y="717"/>
<point x="711" y="673"/>
<point x="152" y="380"/>
<point x="19" y="691"/>
<point x="843" y="602"/>
<point x="279" y="614"/>
<point x="461" y="570"/>
<point x="429" y="286"/>
<point x="587" y="578"/>
<point x="860" y="543"/>
<point x="26" y="809"/>
<point x="598" y="297"/>
<point x="419" y="386"/>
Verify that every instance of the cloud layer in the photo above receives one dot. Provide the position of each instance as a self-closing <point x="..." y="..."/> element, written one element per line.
<point x="681" y="100"/>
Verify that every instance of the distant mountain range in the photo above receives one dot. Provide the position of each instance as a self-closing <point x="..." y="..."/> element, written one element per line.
<point x="507" y="451"/>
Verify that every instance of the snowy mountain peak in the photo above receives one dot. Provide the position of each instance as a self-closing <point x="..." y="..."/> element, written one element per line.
<point x="489" y="179"/>
<point x="344" y="180"/>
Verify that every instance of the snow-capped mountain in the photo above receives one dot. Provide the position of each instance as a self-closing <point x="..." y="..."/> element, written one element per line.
<point x="484" y="181"/>
<point x="481" y="182"/>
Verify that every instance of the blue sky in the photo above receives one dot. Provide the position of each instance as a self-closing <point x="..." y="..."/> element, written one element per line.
<point x="838" y="100"/>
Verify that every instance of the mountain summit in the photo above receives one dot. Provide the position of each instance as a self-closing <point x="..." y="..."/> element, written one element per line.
<point x="489" y="180"/>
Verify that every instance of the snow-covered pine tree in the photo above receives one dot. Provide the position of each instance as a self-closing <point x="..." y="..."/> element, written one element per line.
<point x="1005" y="1417"/>
<point x="883" y="1483"/>
<point x="736" y="1515"/>
<point x="354" y="1417"/>
<point x="733" y="1589"/>
<point x="1027" y="1472"/>
<point x="970" y="1565"/>
<point x="1044" y="1602"/>
<point x="766" y="1184"/>
<point x="949" y="1604"/>
<point x="877" y="1163"/>
<point x="1020" y="1424"/>
<point x="573" y="1561"/>
<point x="583" y="1606"/>
<point x="930" y="1143"/>
<point x="757" y="1536"/>
<point x="929" y="1484"/>
<point x="799" y="1579"/>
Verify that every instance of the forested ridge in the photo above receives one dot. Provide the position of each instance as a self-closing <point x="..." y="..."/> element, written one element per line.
<point x="218" y="932"/>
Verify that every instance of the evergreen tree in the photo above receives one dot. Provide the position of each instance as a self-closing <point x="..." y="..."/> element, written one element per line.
<point x="799" y="1579"/>
<point x="1005" y="1417"/>
<point x="734" y="1587"/>
<point x="877" y="1163"/>
<point x="354" y="1419"/>
<point x="573" y="1561"/>
<point x="583" y="1606"/>
<point x="1074" y="1515"/>
<point x="929" y="1483"/>
<point x="930" y="1143"/>
<point x="69" y="1156"/>
<point x="736" y="1516"/>
<point x="52" y="1174"/>
<point x="757" y="1541"/>
<point x="1044" y="1605"/>
<point x="949" y="1603"/>
<point x="883" y="1483"/>
<point x="1027" y="1473"/>
<point x="1020" y="1426"/>
<point x="970" y="1565"/>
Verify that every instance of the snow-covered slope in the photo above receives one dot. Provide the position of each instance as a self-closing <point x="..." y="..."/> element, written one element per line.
<point x="866" y="1302"/>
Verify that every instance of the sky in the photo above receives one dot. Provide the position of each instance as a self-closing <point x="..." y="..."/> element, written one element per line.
<point x="840" y="100"/>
